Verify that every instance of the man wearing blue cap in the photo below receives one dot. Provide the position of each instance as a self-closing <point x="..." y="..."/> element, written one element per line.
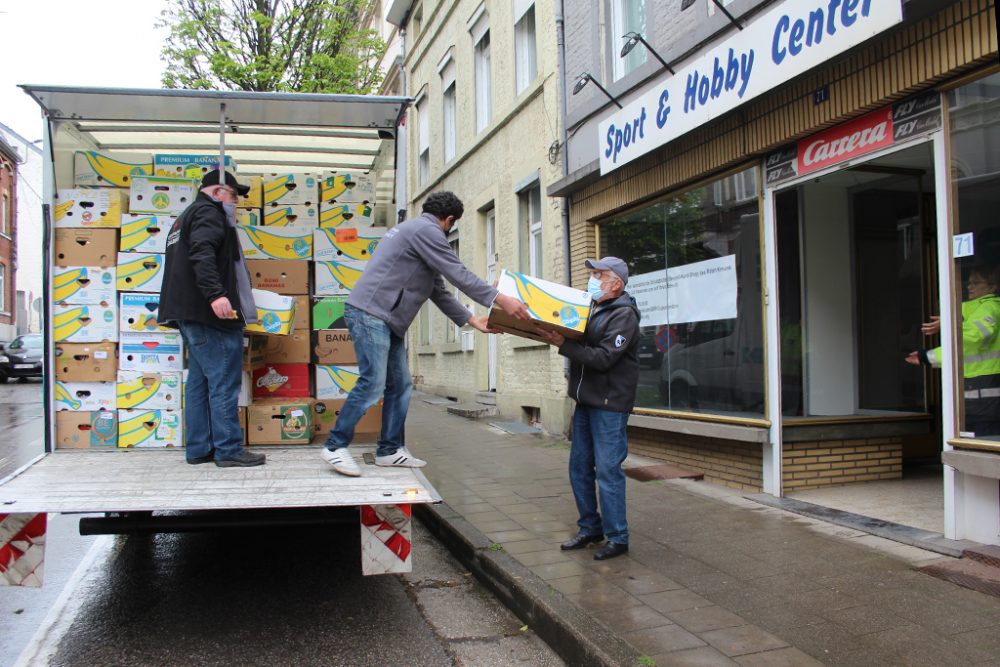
<point x="604" y="374"/>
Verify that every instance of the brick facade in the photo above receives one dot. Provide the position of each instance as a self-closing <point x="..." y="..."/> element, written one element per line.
<point x="730" y="463"/>
<point x="810" y="465"/>
<point x="8" y="238"/>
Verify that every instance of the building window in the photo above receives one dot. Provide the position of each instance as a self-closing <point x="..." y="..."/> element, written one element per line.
<point x="423" y="144"/>
<point x="525" y="53"/>
<point x="449" y="105"/>
<point x="627" y="16"/>
<point x="695" y="268"/>
<point x="417" y="24"/>
<point x="426" y="324"/>
<point x="480" y="32"/>
<point x="530" y="218"/>
<point x="974" y="112"/>
<point x="3" y="288"/>
<point x="3" y="214"/>
<point x="452" y="332"/>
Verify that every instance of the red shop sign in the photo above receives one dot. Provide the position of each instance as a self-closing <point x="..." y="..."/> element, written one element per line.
<point x="845" y="142"/>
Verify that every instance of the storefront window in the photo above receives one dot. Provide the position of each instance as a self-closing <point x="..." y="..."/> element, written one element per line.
<point x="974" y="112"/>
<point x="695" y="268"/>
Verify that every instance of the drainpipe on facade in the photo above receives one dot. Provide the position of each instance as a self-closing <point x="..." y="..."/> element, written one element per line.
<point x="564" y="139"/>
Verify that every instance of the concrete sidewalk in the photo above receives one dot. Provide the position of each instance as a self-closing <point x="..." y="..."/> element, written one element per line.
<point x="711" y="578"/>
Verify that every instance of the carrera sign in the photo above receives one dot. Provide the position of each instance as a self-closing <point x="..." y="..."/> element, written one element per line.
<point x="864" y="135"/>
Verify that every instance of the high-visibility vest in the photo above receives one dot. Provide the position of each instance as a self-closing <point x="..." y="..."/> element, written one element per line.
<point x="980" y="337"/>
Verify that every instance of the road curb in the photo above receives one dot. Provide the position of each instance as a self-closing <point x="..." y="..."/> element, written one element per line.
<point x="572" y="633"/>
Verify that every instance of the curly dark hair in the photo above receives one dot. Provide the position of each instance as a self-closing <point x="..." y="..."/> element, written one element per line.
<point x="442" y="204"/>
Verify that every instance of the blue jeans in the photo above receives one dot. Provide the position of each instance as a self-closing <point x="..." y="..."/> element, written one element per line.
<point x="383" y="370"/>
<point x="600" y="444"/>
<point x="212" y="392"/>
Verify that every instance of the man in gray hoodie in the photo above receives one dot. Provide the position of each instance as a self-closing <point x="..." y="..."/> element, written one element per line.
<point x="407" y="268"/>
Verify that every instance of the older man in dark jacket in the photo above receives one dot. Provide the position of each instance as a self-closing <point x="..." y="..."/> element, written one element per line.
<point x="604" y="374"/>
<point x="206" y="294"/>
<point x="408" y="268"/>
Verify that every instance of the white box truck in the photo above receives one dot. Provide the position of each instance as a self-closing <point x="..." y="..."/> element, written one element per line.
<point x="83" y="468"/>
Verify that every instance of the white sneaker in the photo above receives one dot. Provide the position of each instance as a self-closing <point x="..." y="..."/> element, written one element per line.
<point x="342" y="462"/>
<point x="401" y="458"/>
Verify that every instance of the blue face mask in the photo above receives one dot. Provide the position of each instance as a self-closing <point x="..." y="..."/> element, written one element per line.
<point x="230" y="211"/>
<point x="594" y="288"/>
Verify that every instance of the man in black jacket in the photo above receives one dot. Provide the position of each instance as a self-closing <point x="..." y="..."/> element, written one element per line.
<point x="206" y="294"/>
<point x="604" y="373"/>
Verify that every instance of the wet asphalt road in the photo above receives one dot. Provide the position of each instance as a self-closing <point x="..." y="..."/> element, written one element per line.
<point x="21" y="424"/>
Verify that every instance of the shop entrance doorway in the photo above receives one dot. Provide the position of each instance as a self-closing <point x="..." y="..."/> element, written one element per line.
<point x="857" y="277"/>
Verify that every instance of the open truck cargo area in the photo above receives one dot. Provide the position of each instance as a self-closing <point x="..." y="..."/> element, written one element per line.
<point x="310" y="138"/>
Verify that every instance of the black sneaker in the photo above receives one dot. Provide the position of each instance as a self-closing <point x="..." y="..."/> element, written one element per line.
<point x="245" y="459"/>
<point x="207" y="458"/>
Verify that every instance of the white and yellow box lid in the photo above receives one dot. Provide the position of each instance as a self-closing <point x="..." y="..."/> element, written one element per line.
<point x="275" y="313"/>
<point x="139" y="313"/>
<point x="349" y="214"/>
<point x="91" y="323"/>
<point x="249" y="216"/>
<point x="284" y="189"/>
<point x="347" y="186"/>
<point x="547" y="301"/>
<point x="140" y="272"/>
<point x="91" y="207"/>
<point x="276" y="242"/>
<point x="161" y="195"/>
<point x="161" y="391"/>
<point x="150" y="428"/>
<point x="337" y="277"/>
<point x="151" y="352"/>
<point x="335" y="382"/>
<point x="84" y="285"/>
<point x="145" y="232"/>
<point x="346" y="243"/>
<point x="292" y="215"/>
<point x="93" y="168"/>
<point x="177" y="165"/>
<point x="85" y="396"/>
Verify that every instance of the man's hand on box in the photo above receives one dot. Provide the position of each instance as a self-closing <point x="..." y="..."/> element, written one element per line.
<point x="513" y="307"/>
<point x="480" y="324"/>
<point x="223" y="309"/>
<point x="551" y="337"/>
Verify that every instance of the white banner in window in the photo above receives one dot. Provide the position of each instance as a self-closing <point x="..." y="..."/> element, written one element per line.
<point x="691" y="293"/>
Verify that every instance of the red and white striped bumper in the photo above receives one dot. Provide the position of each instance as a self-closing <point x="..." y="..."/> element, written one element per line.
<point x="22" y="549"/>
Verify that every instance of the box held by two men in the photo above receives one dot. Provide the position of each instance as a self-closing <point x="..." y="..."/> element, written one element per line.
<point x="275" y="313"/>
<point x="85" y="396"/>
<point x="282" y="276"/>
<point x="280" y="422"/>
<point x="84" y="284"/>
<point x="86" y="247"/>
<point x="346" y="243"/>
<point x="326" y="411"/>
<point x="86" y="362"/>
<point x="82" y="430"/>
<point x="552" y="306"/>
<point x="145" y="233"/>
<point x="150" y="428"/>
<point x="333" y="347"/>
<point x="96" y="169"/>
<point x="91" y="207"/>
<point x="161" y="195"/>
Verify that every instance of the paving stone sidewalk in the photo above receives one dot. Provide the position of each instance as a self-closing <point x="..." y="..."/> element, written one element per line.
<point x="711" y="578"/>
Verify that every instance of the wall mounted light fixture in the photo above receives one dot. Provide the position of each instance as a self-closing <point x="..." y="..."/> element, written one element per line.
<point x="584" y="79"/>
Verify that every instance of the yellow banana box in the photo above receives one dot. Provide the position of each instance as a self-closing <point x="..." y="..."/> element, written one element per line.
<point x="293" y="215"/>
<point x="150" y="428"/>
<point x="149" y="391"/>
<point x="92" y="323"/>
<point x="254" y="198"/>
<point x="145" y="233"/>
<point x="346" y="243"/>
<point x="96" y="169"/>
<point x="139" y="313"/>
<point x="333" y="278"/>
<point x="285" y="189"/>
<point x="91" y="207"/>
<point x="280" y="421"/>
<point x="82" y="430"/>
<point x="140" y="272"/>
<point x="151" y="352"/>
<point x="160" y="195"/>
<point x="85" y="396"/>
<point x="349" y="214"/>
<point x="84" y="285"/>
<point x="347" y="186"/>
<point x="275" y="313"/>
<point x="551" y="306"/>
<point x="335" y="382"/>
<point x="249" y="216"/>
<point x="188" y="166"/>
<point x="276" y="242"/>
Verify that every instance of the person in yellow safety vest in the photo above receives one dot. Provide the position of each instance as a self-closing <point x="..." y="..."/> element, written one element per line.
<point x="980" y="349"/>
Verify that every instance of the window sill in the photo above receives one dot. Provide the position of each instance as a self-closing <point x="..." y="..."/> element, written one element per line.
<point x="450" y="348"/>
<point x="742" y="431"/>
<point x="426" y="350"/>
<point x="978" y="464"/>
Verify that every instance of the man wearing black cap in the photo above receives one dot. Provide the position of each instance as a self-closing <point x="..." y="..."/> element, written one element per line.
<point x="206" y="294"/>
<point x="604" y="374"/>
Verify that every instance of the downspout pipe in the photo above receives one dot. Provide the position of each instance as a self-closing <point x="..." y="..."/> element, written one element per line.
<point x="564" y="141"/>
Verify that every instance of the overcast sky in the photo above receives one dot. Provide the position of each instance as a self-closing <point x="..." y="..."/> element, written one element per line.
<point x="75" y="43"/>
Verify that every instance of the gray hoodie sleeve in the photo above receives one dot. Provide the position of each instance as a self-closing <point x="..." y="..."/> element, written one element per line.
<point x="448" y="304"/>
<point x="434" y="249"/>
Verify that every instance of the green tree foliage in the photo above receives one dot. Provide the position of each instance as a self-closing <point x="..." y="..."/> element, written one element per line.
<point x="308" y="46"/>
